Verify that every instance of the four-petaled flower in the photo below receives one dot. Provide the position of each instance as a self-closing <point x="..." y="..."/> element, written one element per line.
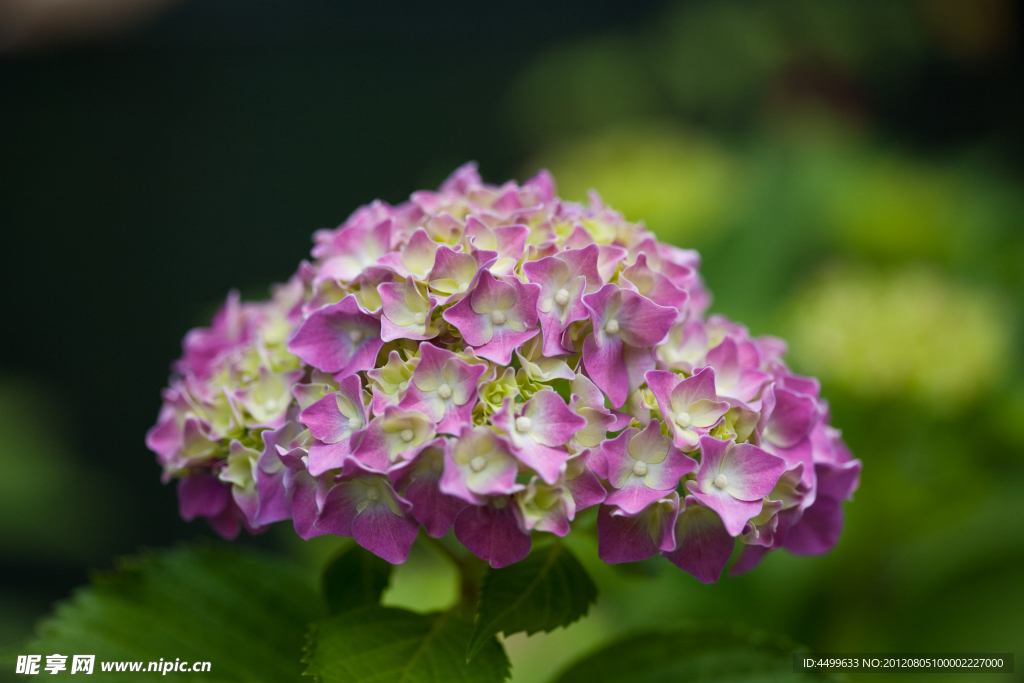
<point x="335" y="421"/>
<point x="397" y="435"/>
<point x="443" y="387"/>
<point x="407" y="310"/>
<point x="643" y="466"/>
<point x="564" y="278"/>
<point x="496" y="317"/>
<point x="479" y="465"/>
<point x="338" y="338"/>
<point x="733" y="479"/>
<point x="624" y="323"/>
<point x="689" y="405"/>
<point x="538" y="431"/>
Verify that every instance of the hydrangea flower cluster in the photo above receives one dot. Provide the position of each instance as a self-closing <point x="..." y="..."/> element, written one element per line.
<point x="494" y="360"/>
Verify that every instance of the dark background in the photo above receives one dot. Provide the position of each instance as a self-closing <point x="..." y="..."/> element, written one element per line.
<point x="143" y="175"/>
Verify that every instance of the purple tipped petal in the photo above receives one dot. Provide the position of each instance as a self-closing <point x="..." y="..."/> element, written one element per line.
<point x="818" y="529"/>
<point x="273" y="474"/>
<point x="643" y="466"/>
<point x="419" y="483"/>
<point x="385" y="534"/>
<point x="338" y="415"/>
<point x="543" y="184"/>
<point x="396" y="436"/>
<point x="416" y="259"/>
<point x="305" y="509"/>
<point x="504" y="341"/>
<point x="453" y="273"/>
<point x="623" y="538"/>
<point x="492" y="534"/>
<point x="616" y="455"/>
<point x="407" y="310"/>
<point x="356" y="249"/>
<point x="462" y="179"/>
<point x="750" y="557"/>
<point x="582" y="483"/>
<point x="622" y="317"/>
<point x="633" y="497"/>
<point x="496" y="317"/>
<point x="202" y="495"/>
<point x="227" y="523"/>
<point x="606" y="368"/>
<point x="731" y="378"/>
<point x="479" y="465"/>
<point x="750" y="471"/>
<point x="837" y="481"/>
<point x="741" y="471"/>
<point x="734" y="513"/>
<point x="338" y="338"/>
<point x="703" y="545"/>
<point x="689" y="405"/>
<point x="800" y="454"/>
<point x="443" y="387"/>
<point x="654" y="285"/>
<point x="790" y="416"/>
<point x="538" y="431"/>
<point x="552" y="422"/>
<point x="324" y="457"/>
<point x="366" y="507"/>
<point x="563" y="280"/>
<point x="642" y="322"/>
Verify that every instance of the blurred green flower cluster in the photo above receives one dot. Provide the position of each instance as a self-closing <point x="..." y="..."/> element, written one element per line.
<point x="909" y="332"/>
<point x="747" y="130"/>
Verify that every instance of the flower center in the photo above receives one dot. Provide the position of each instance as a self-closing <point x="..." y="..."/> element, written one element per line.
<point x="497" y="317"/>
<point x="612" y="327"/>
<point x="721" y="482"/>
<point x="354" y="423"/>
<point x="562" y="297"/>
<point x="372" y="493"/>
<point x="478" y="463"/>
<point x="499" y="503"/>
<point x="420" y="318"/>
<point x="639" y="468"/>
<point x="444" y="391"/>
<point x="523" y="424"/>
<point x="683" y="420"/>
<point x="355" y="335"/>
<point x="407" y="435"/>
<point x="463" y="287"/>
<point x="403" y="386"/>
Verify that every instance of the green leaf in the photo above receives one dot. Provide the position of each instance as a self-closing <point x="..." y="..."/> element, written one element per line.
<point x="387" y="645"/>
<point x="548" y="589"/>
<point x="692" y="654"/>
<point x="244" y="613"/>
<point x="355" y="578"/>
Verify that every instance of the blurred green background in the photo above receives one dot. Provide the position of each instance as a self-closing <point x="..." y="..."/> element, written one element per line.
<point x="850" y="171"/>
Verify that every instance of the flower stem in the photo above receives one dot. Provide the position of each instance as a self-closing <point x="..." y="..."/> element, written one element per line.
<point x="471" y="572"/>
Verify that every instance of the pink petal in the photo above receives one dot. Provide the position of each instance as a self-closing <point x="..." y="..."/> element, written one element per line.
<point x="704" y="546"/>
<point x="817" y="532"/>
<point x="338" y="338"/>
<point x="751" y="472"/>
<point x="734" y="513"/>
<point x="385" y="534"/>
<point x="493" y="535"/>
<point x="605" y="366"/>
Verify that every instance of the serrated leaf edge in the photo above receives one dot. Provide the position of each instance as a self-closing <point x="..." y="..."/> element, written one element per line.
<point x="475" y="646"/>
